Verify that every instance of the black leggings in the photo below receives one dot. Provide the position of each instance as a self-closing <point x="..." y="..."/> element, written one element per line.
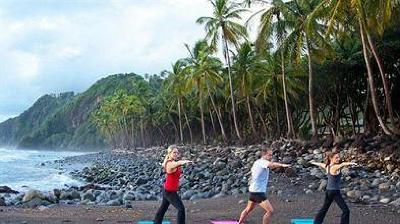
<point x="170" y="197"/>
<point x="330" y="196"/>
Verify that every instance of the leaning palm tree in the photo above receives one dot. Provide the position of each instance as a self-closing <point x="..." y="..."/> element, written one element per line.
<point x="222" y="25"/>
<point x="370" y="17"/>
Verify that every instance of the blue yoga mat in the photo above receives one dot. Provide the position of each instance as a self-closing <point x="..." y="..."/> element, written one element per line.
<point x="302" y="221"/>
<point x="151" y="222"/>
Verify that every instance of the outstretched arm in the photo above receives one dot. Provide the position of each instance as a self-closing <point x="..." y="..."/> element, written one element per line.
<point x="322" y="165"/>
<point x="347" y="164"/>
<point x="338" y="167"/>
<point x="273" y="165"/>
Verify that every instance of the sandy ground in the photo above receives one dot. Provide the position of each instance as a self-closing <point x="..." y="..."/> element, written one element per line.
<point x="202" y="211"/>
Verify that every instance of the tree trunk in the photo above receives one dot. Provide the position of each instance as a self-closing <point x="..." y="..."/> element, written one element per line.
<point x="187" y="124"/>
<point x="212" y="122"/>
<point x="352" y="115"/>
<point x="218" y="115"/>
<point x="278" y="127"/>
<point x="203" y="131"/>
<point x="371" y="81"/>
<point x="311" y="92"/>
<point x="142" y="133"/>
<point x="385" y="81"/>
<point x="290" y="133"/>
<point x="251" y="116"/>
<point x="227" y="58"/>
<point x="175" y="128"/>
<point x="264" y="125"/>
<point x="180" y="120"/>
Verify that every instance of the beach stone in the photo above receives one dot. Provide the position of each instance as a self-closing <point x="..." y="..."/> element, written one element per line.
<point x="384" y="187"/>
<point x="354" y="194"/>
<point x="31" y="194"/>
<point x="6" y="189"/>
<point x="35" y="202"/>
<point x="290" y="172"/>
<point x="66" y="195"/>
<point x="390" y="167"/>
<point x="187" y="195"/>
<point x="366" y="198"/>
<point x="395" y="202"/>
<point x="51" y="197"/>
<point x="384" y="200"/>
<point x="301" y="161"/>
<point x="88" y="196"/>
<point x="141" y="181"/>
<point x="57" y="193"/>
<point x="235" y="191"/>
<point x="287" y="160"/>
<point x="2" y="201"/>
<point x="322" y="185"/>
<point x="128" y="197"/>
<point x="114" y="203"/>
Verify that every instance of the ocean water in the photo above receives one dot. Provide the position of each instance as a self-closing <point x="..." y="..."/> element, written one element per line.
<point x="22" y="170"/>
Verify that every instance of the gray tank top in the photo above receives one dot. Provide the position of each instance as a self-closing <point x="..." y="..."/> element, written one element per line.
<point x="333" y="180"/>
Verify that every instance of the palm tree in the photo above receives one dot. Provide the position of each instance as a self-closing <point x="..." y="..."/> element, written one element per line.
<point x="175" y="83"/>
<point x="370" y="17"/>
<point x="303" y="34"/>
<point x="222" y="26"/>
<point x="204" y="73"/>
<point x="245" y="68"/>
<point x="268" y="29"/>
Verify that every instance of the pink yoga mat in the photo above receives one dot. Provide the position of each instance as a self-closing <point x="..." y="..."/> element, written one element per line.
<point x="224" y="222"/>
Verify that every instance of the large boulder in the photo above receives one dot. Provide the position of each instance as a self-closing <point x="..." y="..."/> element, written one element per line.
<point x="5" y="189"/>
<point x="31" y="194"/>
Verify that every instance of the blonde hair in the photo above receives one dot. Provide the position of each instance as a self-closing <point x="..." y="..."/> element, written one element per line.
<point x="170" y="149"/>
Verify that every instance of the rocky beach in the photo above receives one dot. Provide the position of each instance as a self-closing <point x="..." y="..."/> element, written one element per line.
<point x="125" y="179"/>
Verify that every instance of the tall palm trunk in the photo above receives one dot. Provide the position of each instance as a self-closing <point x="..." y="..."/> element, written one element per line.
<point x="203" y="130"/>
<point x="143" y="141"/>
<point x="212" y="121"/>
<point x="227" y="59"/>
<point x="218" y="115"/>
<point x="290" y="133"/>
<point x="180" y="119"/>
<point x="384" y="81"/>
<point x="250" y="115"/>
<point x="187" y="124"/>
<point x="278" y="127"/>
<point x="371" y="79"/>
<point x="311" y="91"/>
<point x="175" y="128"/>
<point x="264" y="125"/>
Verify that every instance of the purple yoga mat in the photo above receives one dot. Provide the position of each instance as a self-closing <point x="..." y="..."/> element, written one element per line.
<point x="225" y="222"/>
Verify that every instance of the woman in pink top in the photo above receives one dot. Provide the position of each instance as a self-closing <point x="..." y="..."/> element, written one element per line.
<point x="172" y="168"/>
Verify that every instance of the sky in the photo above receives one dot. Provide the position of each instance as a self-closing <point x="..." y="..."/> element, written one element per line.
<point x="54" y="46"/>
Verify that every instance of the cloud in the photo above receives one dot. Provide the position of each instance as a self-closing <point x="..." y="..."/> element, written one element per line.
<point x="48" y="47"/>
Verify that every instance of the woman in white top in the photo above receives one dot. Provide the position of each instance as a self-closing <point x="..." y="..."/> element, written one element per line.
<point x="258" y="186"/>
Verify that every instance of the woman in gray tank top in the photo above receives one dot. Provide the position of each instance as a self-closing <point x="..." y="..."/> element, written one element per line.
<point x="333" y="167"/>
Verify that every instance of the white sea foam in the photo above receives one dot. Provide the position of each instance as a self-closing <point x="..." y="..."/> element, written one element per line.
<point x="23" y="169"/>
